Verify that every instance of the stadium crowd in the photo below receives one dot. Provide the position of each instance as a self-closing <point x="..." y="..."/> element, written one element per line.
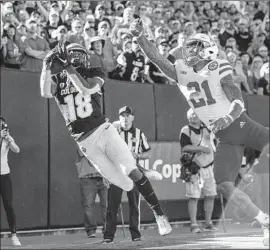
<point x="29" y="29"/>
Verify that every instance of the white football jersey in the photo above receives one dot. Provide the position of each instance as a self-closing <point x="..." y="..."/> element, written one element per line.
<point x="203" y="90"/>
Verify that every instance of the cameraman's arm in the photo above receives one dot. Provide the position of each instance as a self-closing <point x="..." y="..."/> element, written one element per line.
<point x="12" y="145"/>
<point x="186" y="144"/>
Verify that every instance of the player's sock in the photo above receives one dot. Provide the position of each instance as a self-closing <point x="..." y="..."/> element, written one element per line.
<point x="262" y="217"/>
<point x="146" y="190"/>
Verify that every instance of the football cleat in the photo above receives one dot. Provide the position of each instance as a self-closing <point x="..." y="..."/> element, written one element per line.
<point x="15" y="240"/>
<point x="164" y="226"/>
<point x="153" y="175"/>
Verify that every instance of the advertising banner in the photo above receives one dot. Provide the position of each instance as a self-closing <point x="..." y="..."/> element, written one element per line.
<point x="164" y="158"/>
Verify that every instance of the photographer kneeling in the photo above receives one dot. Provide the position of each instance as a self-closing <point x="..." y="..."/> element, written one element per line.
<point x="197" y="155"/>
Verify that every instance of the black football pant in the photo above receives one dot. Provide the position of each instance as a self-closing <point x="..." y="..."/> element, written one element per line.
<point x="6" y="194"/>
<point x="114" y="201"/>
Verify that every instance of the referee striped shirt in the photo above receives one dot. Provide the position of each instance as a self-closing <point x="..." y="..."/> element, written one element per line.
<point x="134" y="138"/>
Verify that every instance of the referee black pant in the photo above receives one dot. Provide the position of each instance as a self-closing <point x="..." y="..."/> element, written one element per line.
<point x="114" y="201"/>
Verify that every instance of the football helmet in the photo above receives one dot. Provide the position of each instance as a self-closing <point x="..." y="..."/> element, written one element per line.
<point x="78" y="55"/>
<point x="199" y="47"/>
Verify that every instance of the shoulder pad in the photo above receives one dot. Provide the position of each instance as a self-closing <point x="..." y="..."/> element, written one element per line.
<point x="225" y="68"/>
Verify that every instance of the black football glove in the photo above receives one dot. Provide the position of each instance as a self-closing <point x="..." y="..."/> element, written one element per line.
<point x="63" y="55"/>
<point x="49" y="57"/>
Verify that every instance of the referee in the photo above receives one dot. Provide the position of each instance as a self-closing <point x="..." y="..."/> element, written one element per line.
<point x="137" y="143"/>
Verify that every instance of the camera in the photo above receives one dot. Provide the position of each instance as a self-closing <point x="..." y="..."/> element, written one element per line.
<point x="4" y="124"/>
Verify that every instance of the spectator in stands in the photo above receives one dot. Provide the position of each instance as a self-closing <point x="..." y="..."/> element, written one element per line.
<point x="131" y="64"/>
<point x="68" y="17"/>
<point x="51" y="26"/>
<point x="88" y="33"/>
<point x="263" y="83"/>
<point x="255" y="68"/>
<point x="126" y="46"/>
<point x="97" y="53"/>
<point x="189" y="30"/>
<point x="239" y="77"/>
<point x="13" y="57"/>
<point x="60" y="34"/>
<point x="226" y="32"/>
<point x="122" y="27"/>
<point x="206" y="27"/>
<point x="263" y="52"/>
<point x="86" y="6"/>
<point x="197" y="140"/>
<point x="232" y="42"/>
<point x="3" y="49"/>
<point x="90" y="19"/>
<point x="34" y="48"/>
<point x="75" y="36"/>
<point x="243" y="37"/>
<point x="245" y="26"/>
<point x="100" y="15"/>
<point x="110" y="51"/>
<point x="91" y="185"/>
<point x="9" y="17"/>
<point x="23" y="16"/>
<point x="246" y="63"/>
<point x="21" y="31"/>
<point x="257" y="42"/>
<point x="7" y="143"/>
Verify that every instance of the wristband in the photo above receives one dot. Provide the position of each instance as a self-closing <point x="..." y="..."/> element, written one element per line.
<point x="240" y="103"/>
<point x="230" y="117"/>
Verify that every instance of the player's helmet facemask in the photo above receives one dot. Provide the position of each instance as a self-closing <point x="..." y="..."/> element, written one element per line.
<point x="79" y="57"/>
<point x="191" y="52"/>
<point x="199" y="47"/>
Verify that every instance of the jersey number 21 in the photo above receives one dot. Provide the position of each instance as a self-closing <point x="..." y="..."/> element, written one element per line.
<point x="201" y="101"/>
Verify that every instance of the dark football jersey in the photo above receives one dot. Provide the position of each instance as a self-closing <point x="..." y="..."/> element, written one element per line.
<point x="156" y="75"/>
<point x="135" y="64"/>
<point x="81" y="113"/>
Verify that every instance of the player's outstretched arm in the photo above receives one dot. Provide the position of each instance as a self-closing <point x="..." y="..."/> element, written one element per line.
<point x="165" y="66"/>
<point x="85" y="87"/>
<point x="234" y="95"/>
<point x="47" y="86"/>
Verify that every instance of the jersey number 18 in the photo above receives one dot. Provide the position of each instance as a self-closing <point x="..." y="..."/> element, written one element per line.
<point x="78" y="106"/>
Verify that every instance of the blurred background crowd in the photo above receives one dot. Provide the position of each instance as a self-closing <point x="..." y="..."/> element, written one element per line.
<point x="29" y="29"/>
